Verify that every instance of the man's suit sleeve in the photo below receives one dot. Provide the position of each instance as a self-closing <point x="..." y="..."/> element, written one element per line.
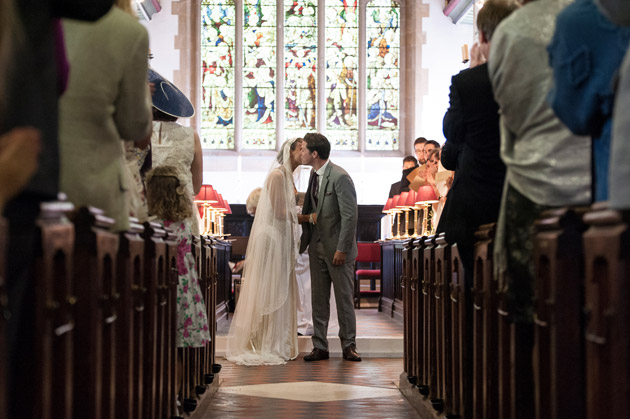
<point x="347" y="200"/>
<point x="453" y="128"/>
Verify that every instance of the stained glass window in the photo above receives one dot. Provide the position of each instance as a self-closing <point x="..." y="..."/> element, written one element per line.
<point x="259" y="74"/>
<point x="383" y="81"/>
<point x="342" y="58"/>
<point x="300" y="67"/>
<point x="373" y="126"/>
<point x="217" y="74"/>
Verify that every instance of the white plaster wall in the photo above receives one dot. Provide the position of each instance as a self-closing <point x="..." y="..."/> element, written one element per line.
<point x="442" y="56"/>
<point x="235" y="176"/>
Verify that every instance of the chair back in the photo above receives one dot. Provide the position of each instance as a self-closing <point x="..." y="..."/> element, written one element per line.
<point x="368" y="252"/>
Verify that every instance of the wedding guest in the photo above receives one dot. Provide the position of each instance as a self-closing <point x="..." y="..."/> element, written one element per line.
<point x="168" y="201"/>
<point x="418" y="148"/>
<point x="174" y="144"/>
<point x="618" y="11"/>
<point x="409" y="164"/>
<point x="585" y="53"/>
<point x="34" y="73"/>
<point x="546" y="166"/>
<point x="107" y="102"/>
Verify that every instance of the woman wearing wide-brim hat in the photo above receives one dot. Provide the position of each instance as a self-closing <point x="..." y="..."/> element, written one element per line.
<point x="171" y="143"/>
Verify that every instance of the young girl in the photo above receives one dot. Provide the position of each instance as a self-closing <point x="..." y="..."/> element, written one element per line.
<point x="168" y="201"/>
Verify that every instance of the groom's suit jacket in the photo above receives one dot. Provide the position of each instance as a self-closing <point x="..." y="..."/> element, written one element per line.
<point x="336" y="214"/>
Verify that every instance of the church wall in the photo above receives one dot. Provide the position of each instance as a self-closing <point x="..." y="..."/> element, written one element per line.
<point x="434" y="43"/>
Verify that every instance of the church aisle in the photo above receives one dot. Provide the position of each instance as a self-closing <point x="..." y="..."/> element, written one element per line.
<point x="327" y="389"/>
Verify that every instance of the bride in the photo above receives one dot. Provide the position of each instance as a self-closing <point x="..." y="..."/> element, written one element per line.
<point x="264" y="327"/>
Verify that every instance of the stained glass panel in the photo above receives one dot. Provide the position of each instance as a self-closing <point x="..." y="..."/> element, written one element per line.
<point x="259" y="74"/>
<point x="217" y="74"/>
<point x="383" y="81"/>
<point x="300" y="59"/>
<point x="342" y="58"/>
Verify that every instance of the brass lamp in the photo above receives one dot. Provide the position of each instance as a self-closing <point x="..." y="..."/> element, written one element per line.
<point x="410" y="204"/>
<point x="426" y="197"/>
<point x="402" y="208"/>
<point x="206" y="197"/>
<point x="387" y="210"/>
<point x="395" y="210"/>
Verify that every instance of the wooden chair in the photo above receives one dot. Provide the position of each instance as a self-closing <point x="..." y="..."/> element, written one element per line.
<point x="369" y="253"/>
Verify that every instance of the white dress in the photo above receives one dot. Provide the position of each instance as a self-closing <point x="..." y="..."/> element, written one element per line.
<point x="264" y="327"/>
<point x="174" y="145"/>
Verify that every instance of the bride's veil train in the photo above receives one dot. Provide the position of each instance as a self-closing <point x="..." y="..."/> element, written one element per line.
<point x="264" y="327"/>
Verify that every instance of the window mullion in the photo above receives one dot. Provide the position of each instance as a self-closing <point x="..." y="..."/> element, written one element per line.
<point x="238" y="78"/>
<point x="321" y="66"/>
<point x="280" y="70"/>
<point x="361" y="111"/>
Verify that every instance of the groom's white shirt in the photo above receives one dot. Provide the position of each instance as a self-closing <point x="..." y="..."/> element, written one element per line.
<point x="320" y="173"/>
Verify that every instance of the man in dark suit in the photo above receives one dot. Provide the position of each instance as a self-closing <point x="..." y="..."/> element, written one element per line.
<point x="409" y="164"/>
<point x="471" y="128"/>
<point x="330" y="235"/>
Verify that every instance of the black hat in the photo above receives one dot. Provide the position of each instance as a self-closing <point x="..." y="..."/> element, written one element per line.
<point x="168" y="98"/>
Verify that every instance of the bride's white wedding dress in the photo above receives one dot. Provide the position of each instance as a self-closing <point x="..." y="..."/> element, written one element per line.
<point x="264" y="328"/>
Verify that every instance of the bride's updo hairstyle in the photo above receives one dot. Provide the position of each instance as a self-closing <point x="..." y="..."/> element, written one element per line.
<point x="166" y="195"/>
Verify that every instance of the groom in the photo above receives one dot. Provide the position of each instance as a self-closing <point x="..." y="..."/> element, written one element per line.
<point x="330" y="223"/>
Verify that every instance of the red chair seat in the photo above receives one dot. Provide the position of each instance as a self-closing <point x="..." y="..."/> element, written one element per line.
<point x="368" y="272"/>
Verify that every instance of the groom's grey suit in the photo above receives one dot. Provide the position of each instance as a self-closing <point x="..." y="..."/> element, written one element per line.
<point x="335" y="231"/>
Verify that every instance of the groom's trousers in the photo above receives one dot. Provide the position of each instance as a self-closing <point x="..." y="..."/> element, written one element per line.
<point x="323" y="273"/>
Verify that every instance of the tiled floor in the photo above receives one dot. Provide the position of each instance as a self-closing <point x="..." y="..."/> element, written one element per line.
<point x="327" y="389"/>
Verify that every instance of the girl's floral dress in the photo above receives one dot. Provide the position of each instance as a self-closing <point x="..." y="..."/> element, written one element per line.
<point x="192" y="321"/>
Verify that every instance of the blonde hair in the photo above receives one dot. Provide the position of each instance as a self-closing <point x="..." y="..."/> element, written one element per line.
<point x="252" y="201"/>
<point x="166" y="195"/>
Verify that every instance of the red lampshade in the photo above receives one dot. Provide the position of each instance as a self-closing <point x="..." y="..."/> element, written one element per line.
<point x="221" y="206"/>
<point x="395" y="201"/>
<point x="227" y="207"/>
<point x="403" y="200"/>
<point x="426" y="195"/>
<point x="411" y="199"/>
<point x="207" y="194"/>
<point x="388" y="205"/>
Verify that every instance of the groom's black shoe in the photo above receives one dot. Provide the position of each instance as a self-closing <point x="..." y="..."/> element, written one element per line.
<point x="316" y="355"/>
<point x="350" y="353"/>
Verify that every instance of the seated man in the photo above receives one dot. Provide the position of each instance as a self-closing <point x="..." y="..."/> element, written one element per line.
<point x="409" y="164"/>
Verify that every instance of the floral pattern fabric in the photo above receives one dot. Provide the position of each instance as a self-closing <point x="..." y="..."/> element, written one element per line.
<point x="192" y="321"/>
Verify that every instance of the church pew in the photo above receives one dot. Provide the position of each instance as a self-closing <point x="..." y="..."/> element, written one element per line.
<point x="169" y="389"/>
<point x="408" y="331"/>
<point x="607" y="292"/>
<point x="95" y="254"/>
<point x="485" y="318"/>
<point x="442" y="272"/>
<point x="419" y="289"/>
<point x="505" y="341"/>
<point x="459" y="349"/>
<point x="54" y="312"/>
<point x="3" y="300"/>
<point x="208" y="270"/>
<point x="130" y="327"/>
<point x="199" y="255"/>
<point x="212" y="313"/>
<point x="558" y="296"/>
<point x="154" y="266"/>
<point x="429" y="332"/>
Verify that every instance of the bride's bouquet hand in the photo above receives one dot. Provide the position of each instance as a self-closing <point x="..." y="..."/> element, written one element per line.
<point x="313" y="218"/>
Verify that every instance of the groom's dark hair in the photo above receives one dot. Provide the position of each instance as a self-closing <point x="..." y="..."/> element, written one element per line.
<point x="317" y="142"/>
